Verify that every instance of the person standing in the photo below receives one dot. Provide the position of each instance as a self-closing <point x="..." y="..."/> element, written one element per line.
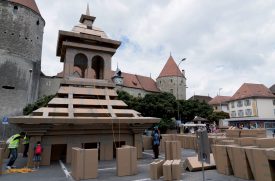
<point x="26" y="143"/>
<point x="13" y="142"/>
<point x="37" y="155"/>
<point x="156" y="142"/>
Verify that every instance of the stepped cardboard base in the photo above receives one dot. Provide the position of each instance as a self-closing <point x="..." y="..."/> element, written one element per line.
<point x="222" y="161"/>
<point x="156" y="170"/>
<point x="126" y="161"/>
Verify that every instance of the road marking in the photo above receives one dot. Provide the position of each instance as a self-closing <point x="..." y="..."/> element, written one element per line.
<point x="67" y="173"/>
<point x="151" y="154"/>
<point x="113" y="168"/>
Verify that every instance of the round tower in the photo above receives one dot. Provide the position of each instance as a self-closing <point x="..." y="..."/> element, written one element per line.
<point x="172" y="80"/>
<point x="21" y="35"/>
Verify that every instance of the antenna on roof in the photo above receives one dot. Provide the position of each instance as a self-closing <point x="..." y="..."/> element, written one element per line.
<point x="150" y="75"/>
<point x="170" y="54"/>
<point x="88" y="10"/>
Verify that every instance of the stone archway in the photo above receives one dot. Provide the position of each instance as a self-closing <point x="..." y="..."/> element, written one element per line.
<point x="80" y="65"/>
<point x="98" y="67"/>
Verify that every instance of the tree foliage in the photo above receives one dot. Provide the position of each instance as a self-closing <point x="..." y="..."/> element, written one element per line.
<point x="39" y="103"/>
<point x="216" y="116"/>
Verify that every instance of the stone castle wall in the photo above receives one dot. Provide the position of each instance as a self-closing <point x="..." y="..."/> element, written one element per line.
<point x="169" y="84"/>
<point x="21" y="34"/>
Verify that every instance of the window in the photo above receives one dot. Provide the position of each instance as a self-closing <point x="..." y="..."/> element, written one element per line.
<point x="247" y="102"/>
<point x="240" y="113"/>
<point x="233" y="114"/>
<point x="273" y="102"/>
<point x="171" y="80"/>
<point x="171" y="91"/>
<point x="232" y="105"/>
<point x="239" y="103"/>
<point x="248" y="112"/>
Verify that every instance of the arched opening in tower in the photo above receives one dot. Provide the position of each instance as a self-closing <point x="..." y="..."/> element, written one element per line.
<point x="98" y="67"/>
<point x="80" y="65"/>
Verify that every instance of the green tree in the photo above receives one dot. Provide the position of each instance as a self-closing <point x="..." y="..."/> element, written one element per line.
<point x="216" y="116"/>
<point x="42" y="102"/>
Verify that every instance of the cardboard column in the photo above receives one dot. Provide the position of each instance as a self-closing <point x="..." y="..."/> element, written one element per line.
<point x="33" y="141"/>
<point x="106" y="150"/>
<point x="69" y="151"/>
<point x="138" y="144"/>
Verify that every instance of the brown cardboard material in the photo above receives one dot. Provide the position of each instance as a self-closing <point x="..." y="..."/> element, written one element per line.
<point x="90" y="163"/>
<point x="265" y="142"/>
<point x="259" y="160"/>
<point x="192" y="164"/>
<point x="245" y="141"/>
<point x="46" y="155"/>
<point x="227" y="142"/>
<point x="84" y="163"/>
<point x="1" y="159"/>
<point x="147" y="142"/>
<point x="233" y="133"/>
<point x="167" y="170"/>
<point x="259" y="133"/>
<point x="239" y="162"/>
<point x="222" y="161"/>
<point x="270" y="153"/>
<point x="156" y="170"/>
<point x="176" y="170"/>
<point x="126" y="161"/>
<point x="172" y="150"/>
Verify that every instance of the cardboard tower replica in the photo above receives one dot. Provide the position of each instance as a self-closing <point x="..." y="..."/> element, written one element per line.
<point x="85" y="112"/>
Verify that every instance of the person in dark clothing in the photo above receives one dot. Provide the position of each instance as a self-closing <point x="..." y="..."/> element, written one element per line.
<point x="156" y="142"/>
<point x="26" y="143"/>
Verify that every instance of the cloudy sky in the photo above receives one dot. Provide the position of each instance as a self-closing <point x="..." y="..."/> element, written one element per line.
<point x="226" y="43"/>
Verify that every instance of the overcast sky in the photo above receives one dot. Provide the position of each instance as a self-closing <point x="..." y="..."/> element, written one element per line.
<point x="226" y="43"/>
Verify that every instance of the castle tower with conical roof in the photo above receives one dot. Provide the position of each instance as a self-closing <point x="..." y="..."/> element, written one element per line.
<point x="21" y="35"/>
<point x="172" y="80"/>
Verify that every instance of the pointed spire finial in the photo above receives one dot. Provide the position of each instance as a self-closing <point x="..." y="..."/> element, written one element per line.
<point x="88" y="10"/>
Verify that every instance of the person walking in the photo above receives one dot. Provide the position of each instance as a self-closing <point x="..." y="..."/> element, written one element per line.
<point x="156" y="142"/>
<point x="26" y="143"/>
<point x="13" y="143"/>
<point x="37" y="155"/>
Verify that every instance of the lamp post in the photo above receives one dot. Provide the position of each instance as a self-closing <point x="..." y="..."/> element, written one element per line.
<point x="220" y="101"/>
<point x="178" y="86"/>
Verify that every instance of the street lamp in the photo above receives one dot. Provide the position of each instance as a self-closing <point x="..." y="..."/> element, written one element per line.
<point x="178" y="86"/>
<point x="220" y="99"/>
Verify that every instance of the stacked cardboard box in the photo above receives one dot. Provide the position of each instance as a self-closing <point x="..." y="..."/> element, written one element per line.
<point x="176" y="170"/>
<point x="222" y="161"/>
<point x="147" y="142"/>
<point x="172" y="150"/>
<point x="156" y="170"/>
<point x="239" y="162"/>
<point x="259" y="163"/>
<point x="126" y="159"/>
<point x="245" y="141"/>
<point x="84" y="163"/>
<point x="265" y="142"/>
<point x="1" y="159"/>
<point x="233" y="133"/>
<point x="167" y="170"/>
<point x="259" y="133"/>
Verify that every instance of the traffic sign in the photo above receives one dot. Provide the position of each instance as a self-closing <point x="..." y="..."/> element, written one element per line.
<point x="5" y="120"/>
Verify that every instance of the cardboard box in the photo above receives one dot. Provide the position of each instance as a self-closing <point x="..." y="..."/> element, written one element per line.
<point x="265" y="142"/>
<point x="270" y="153"/>
<point x="147" y="142"/>
<point x="192" y="164"/>
<point x="172" y="150"/>
<point x="1" y="159"/>
<point x="84" y="163"/>
<point x="233" y="133"/>
<point x="156" y="170"/>
<point x="245" y="141"/>
<point x="239" y="162"/>
<point x="221" y="158"/>
<point x="259" y="133"/>
<point x="176" y="170"/>
<point x="167" y="170"/>
<point x="227" y="142"/>
<point x="260" y="165"/>
<point x="126" y="160"/>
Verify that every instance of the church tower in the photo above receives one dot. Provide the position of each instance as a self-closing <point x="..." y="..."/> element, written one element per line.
<point x="172" y="80"/>
<point x="21" y="35"/>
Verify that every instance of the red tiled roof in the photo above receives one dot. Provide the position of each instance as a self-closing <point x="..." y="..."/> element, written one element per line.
<point x="139" y="82"/>
<point x="219" y="100"/>
<point x="28" y="3"/>
<point x="252" y="90"/>
<point x="170" y="69"/>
